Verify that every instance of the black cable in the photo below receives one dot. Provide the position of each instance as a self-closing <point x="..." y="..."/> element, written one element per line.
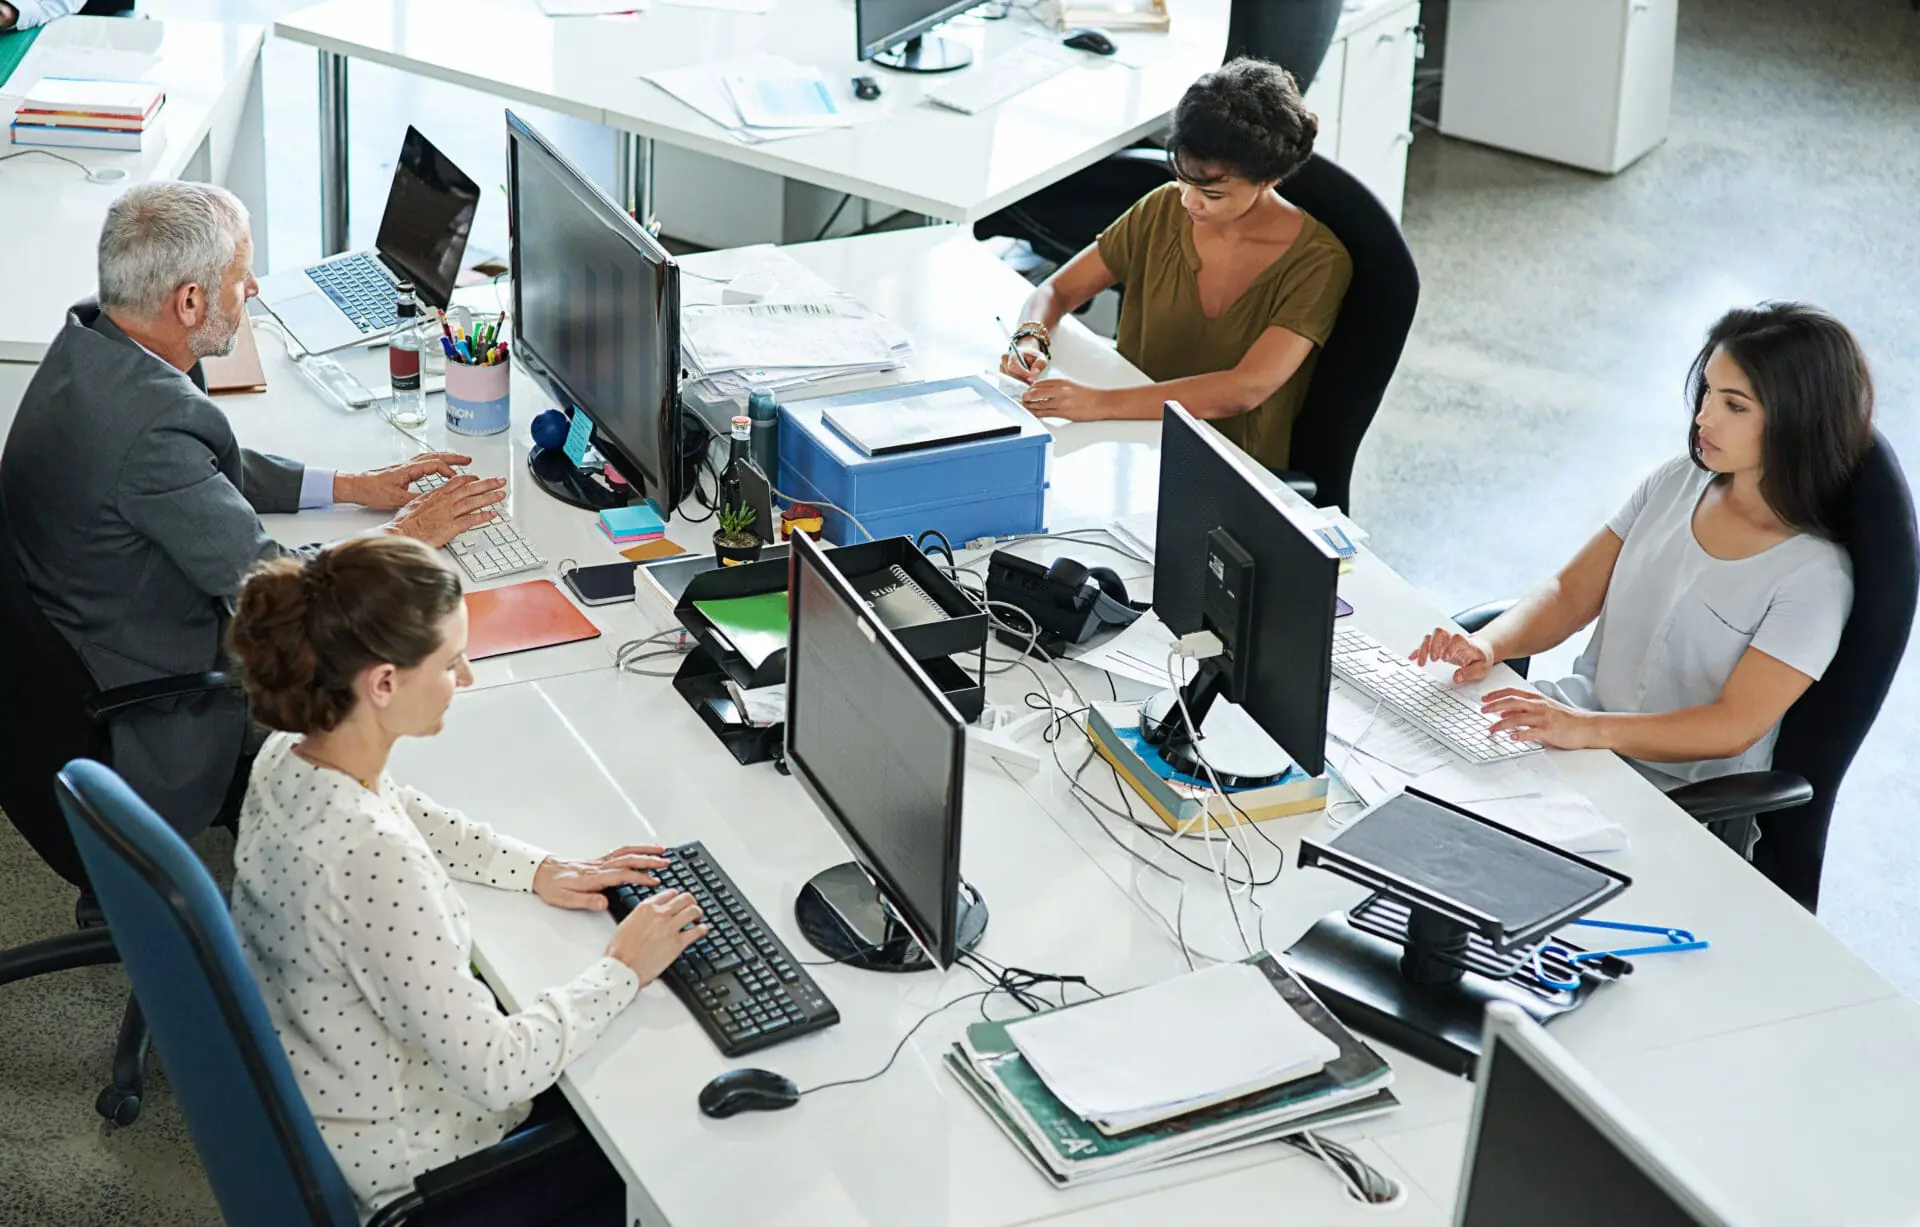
<point x="946" y="546"/>
<point x="833" y="216"/>
<point x="901" y="1046"/>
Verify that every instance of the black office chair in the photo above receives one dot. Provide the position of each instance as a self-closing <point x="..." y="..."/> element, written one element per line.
<point x="1360" y="356"/>
<point x="52" y="712"/>
<point x="1821" y="733"/>
<point x="1060" y="220"/>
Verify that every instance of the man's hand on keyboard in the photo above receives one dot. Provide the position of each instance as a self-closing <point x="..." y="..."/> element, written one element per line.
<point x="656" y="933"/>
<point x="1472" y="653"/>
<point x="387" y="489"/>
<point x="439" y="516"/>
<point x="1527" y="716"/>
<point x="581" y="884"/>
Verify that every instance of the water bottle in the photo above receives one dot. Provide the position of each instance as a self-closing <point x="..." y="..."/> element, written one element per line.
<point x="765" y="446"/>
<point x="403" y="363"/>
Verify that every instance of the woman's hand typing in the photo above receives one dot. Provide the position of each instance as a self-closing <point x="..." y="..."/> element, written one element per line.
<point x="578" y="884"/>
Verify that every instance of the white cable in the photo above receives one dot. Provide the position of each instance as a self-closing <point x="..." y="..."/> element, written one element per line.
<point x="1230" y="828"/>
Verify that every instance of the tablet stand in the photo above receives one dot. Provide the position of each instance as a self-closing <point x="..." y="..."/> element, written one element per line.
<point x="1417" y="968"/>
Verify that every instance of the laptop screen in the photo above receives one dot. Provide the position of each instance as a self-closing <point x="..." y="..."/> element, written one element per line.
<point x="429" y="216"/>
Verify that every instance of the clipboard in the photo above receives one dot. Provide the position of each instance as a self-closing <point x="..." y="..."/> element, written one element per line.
<point x="239" y="371"/>
<point x="522" y="617"/>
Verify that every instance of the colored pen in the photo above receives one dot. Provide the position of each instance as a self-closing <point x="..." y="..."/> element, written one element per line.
<point x="444" y="330"/>
<point x="446" y="343"/>
<point x="466" y="353"/>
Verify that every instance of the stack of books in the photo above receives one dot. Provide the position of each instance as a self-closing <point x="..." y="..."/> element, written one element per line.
<point x="632" y="525"/>
<point x="70" y="112"/>
<point x="1232" y="1056"/>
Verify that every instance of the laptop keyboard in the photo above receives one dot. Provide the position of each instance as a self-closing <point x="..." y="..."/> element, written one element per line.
<point x="361" y="289"/>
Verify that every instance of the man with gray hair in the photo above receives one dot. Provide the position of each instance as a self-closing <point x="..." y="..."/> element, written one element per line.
<point x="135" y="513"/>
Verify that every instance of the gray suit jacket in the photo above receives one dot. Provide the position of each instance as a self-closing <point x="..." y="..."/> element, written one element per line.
<point x="137" y="515"/>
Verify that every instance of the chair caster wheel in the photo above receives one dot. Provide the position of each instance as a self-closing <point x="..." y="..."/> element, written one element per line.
<point x="117" y="1106"/>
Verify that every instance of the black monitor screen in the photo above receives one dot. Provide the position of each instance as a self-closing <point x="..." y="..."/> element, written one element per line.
<point x="879" y="24"/>
<point x="878" y="747"/>
<point x="429" y="216"/>
<point x="596" y="310"/>
<point x="1538" y="1160"/>
<point x="1288" y="665"/>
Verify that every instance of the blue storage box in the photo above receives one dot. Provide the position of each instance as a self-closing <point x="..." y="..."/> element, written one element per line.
<point x="986" y="488"/>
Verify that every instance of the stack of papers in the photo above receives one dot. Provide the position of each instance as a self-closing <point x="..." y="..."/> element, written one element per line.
<point x="83" y="114"/>
<point x="798" y="331"/>
<point x="766" y="97"/>
<point x="1224" y="1058"/>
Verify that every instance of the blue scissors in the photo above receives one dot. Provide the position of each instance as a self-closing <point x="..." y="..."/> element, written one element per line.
<point x="1677" y="940"/>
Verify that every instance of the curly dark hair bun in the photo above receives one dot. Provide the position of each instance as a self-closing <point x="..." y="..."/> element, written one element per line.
<point x="303" y="630"/>
<point x="1245" y="119"/>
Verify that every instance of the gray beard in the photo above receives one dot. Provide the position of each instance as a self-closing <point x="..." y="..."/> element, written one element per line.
<point x="216" y="336"/>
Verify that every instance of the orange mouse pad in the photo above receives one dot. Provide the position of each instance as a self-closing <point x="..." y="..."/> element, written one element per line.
<point x="521" y="617"/>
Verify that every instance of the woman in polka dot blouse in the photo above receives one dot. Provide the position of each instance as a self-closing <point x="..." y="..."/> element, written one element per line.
<point x="343" y="887"/>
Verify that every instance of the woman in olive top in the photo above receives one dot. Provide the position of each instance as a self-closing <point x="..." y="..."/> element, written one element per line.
<point x="1230" y="290"/>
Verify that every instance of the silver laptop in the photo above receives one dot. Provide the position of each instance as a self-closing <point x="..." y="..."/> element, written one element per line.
<point x="1550" y="1145"/>
<point x="349" y="299"/>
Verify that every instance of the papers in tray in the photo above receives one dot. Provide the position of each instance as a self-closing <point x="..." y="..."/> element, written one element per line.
<point x="793" y="330"/>
<point x="766" y="97"/>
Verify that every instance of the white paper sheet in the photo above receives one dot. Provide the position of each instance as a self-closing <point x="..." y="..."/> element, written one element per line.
<point x="1135" y="1051"/>
<point x="1140" y="652"/>
<point x="1530" y="795"/>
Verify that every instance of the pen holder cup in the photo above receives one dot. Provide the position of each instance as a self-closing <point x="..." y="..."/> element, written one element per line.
<point x="477" y="400"/>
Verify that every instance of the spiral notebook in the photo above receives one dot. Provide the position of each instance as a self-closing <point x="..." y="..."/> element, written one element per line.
<point x="898" y="600"/>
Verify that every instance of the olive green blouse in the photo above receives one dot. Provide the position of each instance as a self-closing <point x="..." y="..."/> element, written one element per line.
<point x="1150" y="251"/>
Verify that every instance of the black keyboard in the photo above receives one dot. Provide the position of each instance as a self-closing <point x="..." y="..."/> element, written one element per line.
<point x="363" y="292"/>
<point x="739" y="980"/>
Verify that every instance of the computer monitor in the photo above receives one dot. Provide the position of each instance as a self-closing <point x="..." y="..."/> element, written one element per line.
<point x="1230" y="558"/>
<point x="1550" y="1145"/>
<point x="882" y="752"/>
<point x="893" y="34"/>
<point x="596" y="318"/>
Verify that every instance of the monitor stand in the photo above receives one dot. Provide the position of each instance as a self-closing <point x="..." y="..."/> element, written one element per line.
<point x="1394" y="972"/>
<point x="848" y="919"/>
<point x="571" y="484"/>
<point x="1239" y="754"/>
<point x="926" y="53"/>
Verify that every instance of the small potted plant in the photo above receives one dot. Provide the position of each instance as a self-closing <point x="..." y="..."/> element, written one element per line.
<point x="735" y="542"/>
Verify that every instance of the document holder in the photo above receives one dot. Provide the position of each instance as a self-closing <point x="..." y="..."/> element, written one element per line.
<point x="702" y="677"/>
<point x="1460" y="904"/>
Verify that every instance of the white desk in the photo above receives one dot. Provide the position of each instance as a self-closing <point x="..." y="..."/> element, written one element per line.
<point x="919" y="158"/>
<point x="211" y="130"/>
<point x="1776" y="1061"/>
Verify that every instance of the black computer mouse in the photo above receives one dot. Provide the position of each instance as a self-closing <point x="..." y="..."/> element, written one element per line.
<point x="866" y="88"/>
<point x="1086" y="38"/>
<point x="748" y="1090"/>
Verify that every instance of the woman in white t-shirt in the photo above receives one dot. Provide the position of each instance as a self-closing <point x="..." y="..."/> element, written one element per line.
<point x="344" y="900"/>
<point x="1721" y="588"/>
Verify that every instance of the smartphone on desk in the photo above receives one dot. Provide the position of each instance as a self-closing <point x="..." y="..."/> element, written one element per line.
<point x="608" y="584"/>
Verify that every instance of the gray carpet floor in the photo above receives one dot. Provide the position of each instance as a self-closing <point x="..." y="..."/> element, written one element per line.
<point x="1542" y="380"/>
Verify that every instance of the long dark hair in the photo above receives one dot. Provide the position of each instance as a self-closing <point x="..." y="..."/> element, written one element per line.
<point x="1813" y="385"/>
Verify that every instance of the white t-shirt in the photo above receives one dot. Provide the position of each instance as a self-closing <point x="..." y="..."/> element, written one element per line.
<point x="1677" y="620"/>
<point x="361" y="948"/>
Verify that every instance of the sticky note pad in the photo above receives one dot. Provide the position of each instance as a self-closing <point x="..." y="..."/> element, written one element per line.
<point x="579" y="437"/>
<point x="639" y="520"/>
<point x="650" y="550"/>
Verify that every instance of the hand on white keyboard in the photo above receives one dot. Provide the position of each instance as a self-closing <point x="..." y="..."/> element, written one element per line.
<point x="438" y="516"/>
<point x="1526" y="715"/>
<point x="1472" y="653"/>
<point x="392" y="487"/>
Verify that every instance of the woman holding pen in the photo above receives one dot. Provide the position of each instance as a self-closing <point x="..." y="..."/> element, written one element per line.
<point x="1230" y="290"/>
